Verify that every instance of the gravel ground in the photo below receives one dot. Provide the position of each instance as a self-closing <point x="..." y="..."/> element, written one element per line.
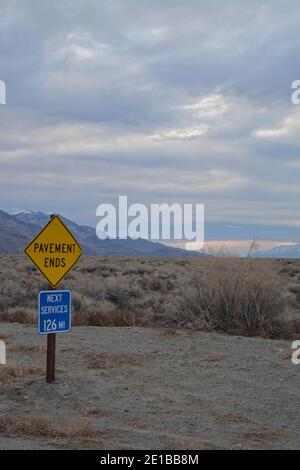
<point x="143" y="388"/>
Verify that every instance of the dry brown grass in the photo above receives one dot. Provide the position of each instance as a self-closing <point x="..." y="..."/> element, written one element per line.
<point x="102" y="317"/>
<point x="233" y="418"/>
<point x="95" y="411"/>
<point x="112" y="361"/>
<point x="215" y="358"/>
<point x="286" y="355"/>
<point x="20" y="314"/>
<point x="191" y="444"/>
<point x="261" y="436"/>
<point x="29" y="348"/>
<point x="11" y="371"/>
<point x="41" y="426"/>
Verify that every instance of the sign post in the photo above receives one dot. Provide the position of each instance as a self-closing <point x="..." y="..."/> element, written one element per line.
<point x="54" y="251"/>
<point x="51" y="354"/>
<point x="51" y="349"/>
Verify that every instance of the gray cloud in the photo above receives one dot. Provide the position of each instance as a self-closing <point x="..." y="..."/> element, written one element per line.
<point x="158" y="100"/>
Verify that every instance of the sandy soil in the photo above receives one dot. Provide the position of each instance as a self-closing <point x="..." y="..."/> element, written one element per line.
<point x="143" y="388"/>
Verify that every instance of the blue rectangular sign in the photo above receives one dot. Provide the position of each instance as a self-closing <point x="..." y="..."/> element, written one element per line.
<point x="54" y="312"/>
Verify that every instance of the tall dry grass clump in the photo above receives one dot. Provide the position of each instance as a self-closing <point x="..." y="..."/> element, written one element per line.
<point x="237" y="298"/>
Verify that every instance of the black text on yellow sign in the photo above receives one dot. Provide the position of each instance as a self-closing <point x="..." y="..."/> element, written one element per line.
<point x="54" y="251"/>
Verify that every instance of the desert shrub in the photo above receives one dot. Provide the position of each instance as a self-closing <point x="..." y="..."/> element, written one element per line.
<point x="232" y="295"/>
<point x="11" y="293"/>
<point x="233" y="298"/>
<point x="295" y="290"/>
<point x="156" y="282"/>
<point x="290" y="268"/>
<point x="120" y="291"/>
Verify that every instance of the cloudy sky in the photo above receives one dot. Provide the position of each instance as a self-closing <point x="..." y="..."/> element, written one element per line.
<point x="164" y="101"/>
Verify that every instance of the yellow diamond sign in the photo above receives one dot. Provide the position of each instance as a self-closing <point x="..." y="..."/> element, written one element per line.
<point x="54" y="251"/>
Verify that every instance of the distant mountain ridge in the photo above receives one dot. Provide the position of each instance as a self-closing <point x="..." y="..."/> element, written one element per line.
<point x="280" y="252"/>
<point x="18" y="227"/>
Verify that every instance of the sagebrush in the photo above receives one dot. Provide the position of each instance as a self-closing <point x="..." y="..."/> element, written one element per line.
<point x="240" y="296"/>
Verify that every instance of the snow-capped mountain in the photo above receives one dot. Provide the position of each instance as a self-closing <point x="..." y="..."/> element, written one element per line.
<point x="18" y="227"/>
<point x="34" y="217"/>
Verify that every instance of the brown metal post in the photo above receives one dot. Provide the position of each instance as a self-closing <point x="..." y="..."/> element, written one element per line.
<point x="50" y="372"/>
<point x="51" y="346"/>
